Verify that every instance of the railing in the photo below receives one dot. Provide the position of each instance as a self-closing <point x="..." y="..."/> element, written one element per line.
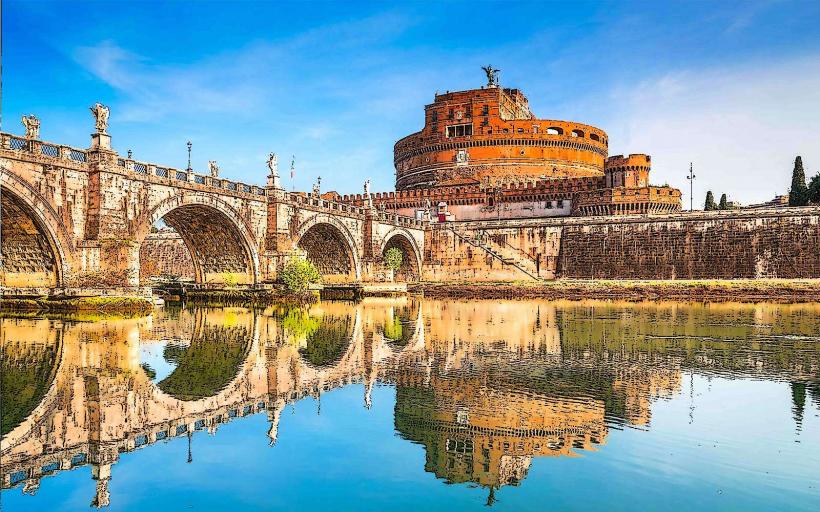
<point x="18" y="144"/>
<point x="50" y="150"/>
<point x="76" y="155"/>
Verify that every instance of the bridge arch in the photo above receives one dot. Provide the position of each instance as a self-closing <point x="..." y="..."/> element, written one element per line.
<point x="189" y="394"/>
<point x="36" y="246"/>
<point x="52" y="366"/>
<point x="334" y="345"/>
<point x="330" y="246"/>
<point x="401" y="239"/>
<point x="221" y="245"/>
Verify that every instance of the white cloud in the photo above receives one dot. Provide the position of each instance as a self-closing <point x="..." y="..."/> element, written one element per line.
<point x="741" y="126"/>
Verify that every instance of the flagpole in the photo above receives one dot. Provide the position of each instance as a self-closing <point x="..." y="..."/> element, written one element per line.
<point x="292" y="173"/>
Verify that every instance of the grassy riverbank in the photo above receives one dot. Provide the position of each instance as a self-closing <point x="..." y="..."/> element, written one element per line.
<point x="81" y="307"/>
<point x="708" y="290"/>
<point x="249" y="297"/>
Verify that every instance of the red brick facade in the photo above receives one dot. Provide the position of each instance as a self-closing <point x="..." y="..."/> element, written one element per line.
<point x="484" y="154"/>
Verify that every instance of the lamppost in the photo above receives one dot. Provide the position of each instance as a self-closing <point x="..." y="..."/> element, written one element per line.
<point x="189" y="155"/>
<point x="691" y="179"/>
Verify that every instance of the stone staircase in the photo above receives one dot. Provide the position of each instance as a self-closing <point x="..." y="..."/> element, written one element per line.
<point x="505" y="253"/>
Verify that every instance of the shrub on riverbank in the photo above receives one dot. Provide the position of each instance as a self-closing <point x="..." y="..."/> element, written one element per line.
<point x="299" y="273"/>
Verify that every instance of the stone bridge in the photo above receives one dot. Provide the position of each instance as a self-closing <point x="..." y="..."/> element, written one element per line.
<point x="77" y="218"/>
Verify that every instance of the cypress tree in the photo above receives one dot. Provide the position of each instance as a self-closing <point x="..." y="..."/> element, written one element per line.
<point x="710" y="202"/>
<point x="798" y="195"/>
<point x="814" y="189"/>
<point x="724" y="203"/>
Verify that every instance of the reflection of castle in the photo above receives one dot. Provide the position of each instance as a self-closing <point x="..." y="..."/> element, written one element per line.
<point x="475" y="433"/>
<point x="483" y="386"/>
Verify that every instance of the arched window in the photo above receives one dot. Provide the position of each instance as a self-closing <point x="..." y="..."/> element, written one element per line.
<point x="594" y="137"/>
<point x="554" y="130"/>
<point x="578" y="133"/>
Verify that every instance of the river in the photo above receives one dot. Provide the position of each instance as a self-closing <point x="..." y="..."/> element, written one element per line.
<point x="400" y="404"/>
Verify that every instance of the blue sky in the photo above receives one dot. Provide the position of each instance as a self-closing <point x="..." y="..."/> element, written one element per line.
<point x="732" y="86"/>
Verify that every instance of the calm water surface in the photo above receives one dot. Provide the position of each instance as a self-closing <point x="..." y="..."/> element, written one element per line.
<point x="404" y="404"/>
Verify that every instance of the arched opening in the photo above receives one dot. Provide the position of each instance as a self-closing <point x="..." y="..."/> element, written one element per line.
<point x="29" y="255"/>
<point x="554" y="130"/>
<point x="409" y="269"/>
<point x="164" y="257"/>
<point x="322" y="338"/>
<point x="327" y="340"/>
<point x="28" y="366"/>
<point x="196" y="242"/>
<point x="578" y="133"/>
<point x="329" y="250"/>
<point x="200" y="368"/>
<point x="401" y="324"/>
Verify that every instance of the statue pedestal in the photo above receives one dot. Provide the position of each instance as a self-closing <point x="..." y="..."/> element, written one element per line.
<point x="100" y="141"/>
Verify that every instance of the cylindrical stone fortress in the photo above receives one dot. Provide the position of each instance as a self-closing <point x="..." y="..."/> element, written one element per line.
<point x="489" y="134"/>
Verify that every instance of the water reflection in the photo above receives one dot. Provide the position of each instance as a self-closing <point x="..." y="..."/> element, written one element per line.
<point x="482" y="387"/>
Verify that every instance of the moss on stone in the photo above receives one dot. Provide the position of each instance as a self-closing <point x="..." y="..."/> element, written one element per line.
<point x="79" y="308"/>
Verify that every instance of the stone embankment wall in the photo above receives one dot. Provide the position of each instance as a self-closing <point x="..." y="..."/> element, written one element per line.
<point x="771" y="243"/>
<point x="165" y="254"/>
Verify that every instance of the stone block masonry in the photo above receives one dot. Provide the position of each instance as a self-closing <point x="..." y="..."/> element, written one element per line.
<point x="773" y="243"/>
<point x="165" y="254"/>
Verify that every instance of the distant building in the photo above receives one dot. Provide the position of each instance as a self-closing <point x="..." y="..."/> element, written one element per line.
<point x="781" y="201"/>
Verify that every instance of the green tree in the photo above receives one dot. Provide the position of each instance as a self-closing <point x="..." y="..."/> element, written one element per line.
<point x="724" y="202"/>
<point x="299" y="273"/>
<point x="814" y="189"/>
<point x="710" y="202"/>
<point x="393" y="258"/>
<point x="798" y="195"/>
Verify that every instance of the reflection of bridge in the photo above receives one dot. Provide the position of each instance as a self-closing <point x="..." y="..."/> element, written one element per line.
<point x="76" y="217"/>
<point x="481" y="395"/>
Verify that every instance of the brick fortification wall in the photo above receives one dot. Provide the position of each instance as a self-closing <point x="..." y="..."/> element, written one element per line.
<point x="782" y="243"/>
<point x="725" y="248"/>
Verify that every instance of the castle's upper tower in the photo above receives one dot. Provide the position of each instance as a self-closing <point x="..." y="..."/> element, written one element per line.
<point x="630" y="172"/>
<point x="490" y="134"/>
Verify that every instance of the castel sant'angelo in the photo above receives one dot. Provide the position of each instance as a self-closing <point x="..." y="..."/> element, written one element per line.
<point x="482" y="154"/>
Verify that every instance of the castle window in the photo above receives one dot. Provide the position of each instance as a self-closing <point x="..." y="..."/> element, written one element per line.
<point x="520" y="130"/>
<point x="451" y="114"/>
<point x="554" y="130"/>
<point x="535" y="128"/>
<point x="577" y="133"/>
<point x="594" y="137"/>
<point x="459" y="130"/>
<point x="485" y="110"/>
<point x="506" y="130"/>
<point x="485" y="122"/>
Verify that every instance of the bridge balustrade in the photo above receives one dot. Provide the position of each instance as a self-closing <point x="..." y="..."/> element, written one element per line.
<point x="50" y="150"/>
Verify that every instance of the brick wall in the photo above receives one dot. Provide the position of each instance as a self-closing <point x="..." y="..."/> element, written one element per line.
<point x="783" y="242"/>
<point x="165" y="254"/>
<point x="725" y="248"/>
